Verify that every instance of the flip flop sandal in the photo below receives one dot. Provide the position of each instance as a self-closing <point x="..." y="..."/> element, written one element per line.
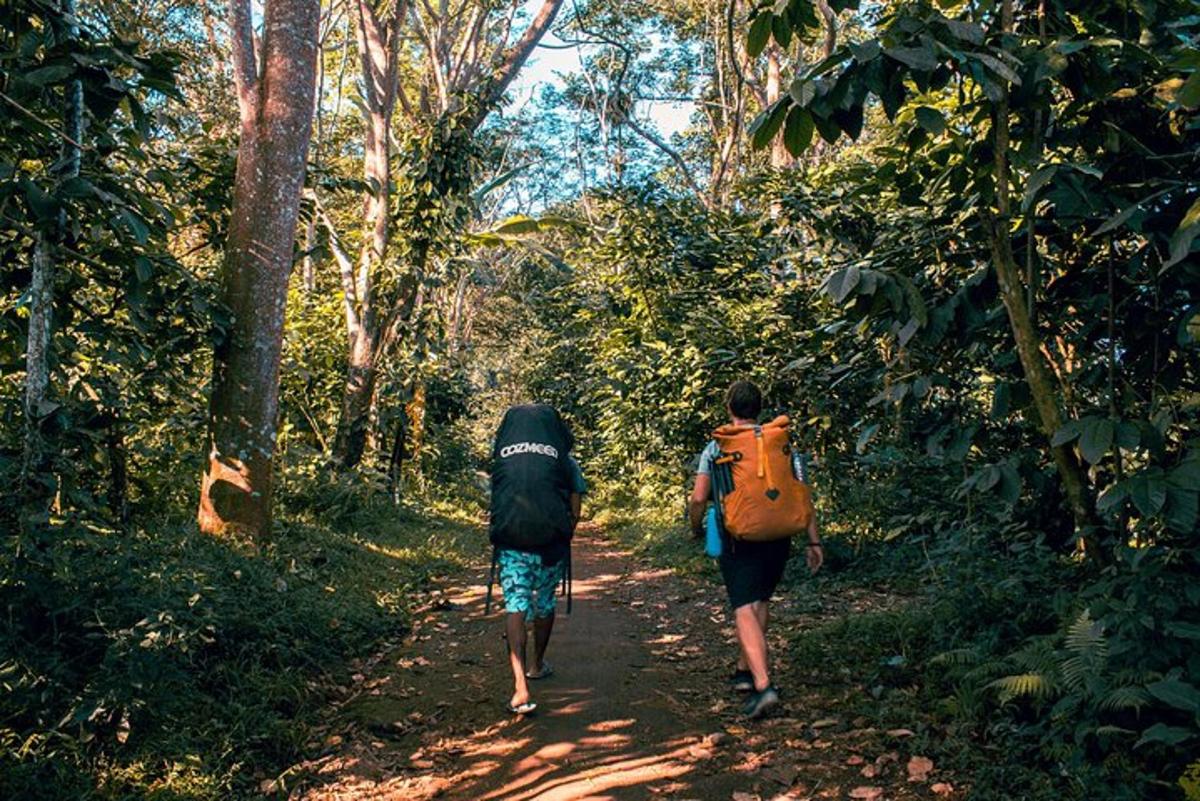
<point x="521" y="709"/>
<point x="545" y="673"/>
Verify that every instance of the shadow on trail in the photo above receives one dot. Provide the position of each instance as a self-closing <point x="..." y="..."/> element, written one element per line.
<point x="621" y="717"/>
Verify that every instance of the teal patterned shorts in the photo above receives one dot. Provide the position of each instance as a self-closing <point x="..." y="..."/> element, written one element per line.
<point x="527" y="584"/>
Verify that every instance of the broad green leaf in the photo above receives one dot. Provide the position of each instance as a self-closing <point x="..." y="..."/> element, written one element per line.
<point x="931" y="120"/>
<point x="517" y="224"/>
<point x="42" y="203"/>
<point x="760" y="33"/>
<point x="969" y="32"/>
<point x="798" y="130"/>
<point x="1162" y="733"/>
<point x="1176" y="693"/>
<point x="842" y="283"/>
<point x="864" y="52"/>
<point x="767" y="124"/>
<point x="1010" y="484"/>
<point x="1181" y="240"/>
<point x="1188" y="95"/>
<point x="1183" y="630"/>
<point x="1118" y="219"/>
<point x="803" y="91"/>
<point x="1068" y="432"/>
<point x="1187" y="474"/>
<point x="54" y="73"/>
<point x="999" y="67"/>
<point x="1112" y="497"/>
<point x="1149" y="493"/>
<point x="921" y="59"/>
<point x="828" y="128"/>
<point x="1096" y="438"/>
<point x="1001" y="400"/>
<point x="1129" y="436"/>
<point x="1036" y="181"/>
<point x="1183" y="508"/>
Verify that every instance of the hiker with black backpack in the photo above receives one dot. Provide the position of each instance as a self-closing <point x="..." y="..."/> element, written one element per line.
<point x="537" y="490"/>
<point x="760" y="502"/>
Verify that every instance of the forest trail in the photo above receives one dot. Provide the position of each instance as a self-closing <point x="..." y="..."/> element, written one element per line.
<point x="638" y="707"/>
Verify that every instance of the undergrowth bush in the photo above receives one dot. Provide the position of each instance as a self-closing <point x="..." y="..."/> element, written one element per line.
<point x="1033" y="678"/>
<point x="155" y="661"/>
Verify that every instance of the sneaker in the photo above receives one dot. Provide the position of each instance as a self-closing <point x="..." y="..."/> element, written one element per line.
<point x="742" y="681"/>
<point x="759" y="704"/>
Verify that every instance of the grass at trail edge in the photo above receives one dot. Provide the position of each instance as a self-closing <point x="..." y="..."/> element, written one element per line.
<point x="159" y="663"/>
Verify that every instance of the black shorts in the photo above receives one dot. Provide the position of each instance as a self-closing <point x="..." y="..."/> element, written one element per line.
<point x="752" y="569"/>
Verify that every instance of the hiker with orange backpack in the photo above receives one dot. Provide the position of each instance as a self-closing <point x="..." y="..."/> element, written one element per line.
<point x="760" y="503"/>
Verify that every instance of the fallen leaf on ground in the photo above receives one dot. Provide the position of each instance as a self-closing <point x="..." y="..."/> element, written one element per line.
<point x="900" y="732"/>
<point x="739" y="796"/>
<point x="825" y="723"/>
<point x="856" y="759"/>
<point x="867" y="793"/>
<point x="942" y="788"/>
<point x="870" y="771"/>
<point x="919" y="768"/>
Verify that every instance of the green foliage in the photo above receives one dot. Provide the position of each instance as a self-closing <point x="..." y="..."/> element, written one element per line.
<point x="160" y="661"/>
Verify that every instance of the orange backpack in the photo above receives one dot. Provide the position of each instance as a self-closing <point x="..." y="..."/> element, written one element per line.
<point x="767" y="502"/>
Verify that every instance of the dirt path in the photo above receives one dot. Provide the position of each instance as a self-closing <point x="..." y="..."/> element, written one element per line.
<point x="637" y="708"/>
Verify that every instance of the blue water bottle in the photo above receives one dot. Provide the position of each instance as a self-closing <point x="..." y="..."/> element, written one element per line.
<point x="712" y="533"/>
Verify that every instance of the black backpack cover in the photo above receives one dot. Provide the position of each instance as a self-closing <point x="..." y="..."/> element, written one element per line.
<point x="531" y="481"/>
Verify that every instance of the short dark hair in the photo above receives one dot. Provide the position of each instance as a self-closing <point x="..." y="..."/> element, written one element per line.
<point x="744" y="400"/>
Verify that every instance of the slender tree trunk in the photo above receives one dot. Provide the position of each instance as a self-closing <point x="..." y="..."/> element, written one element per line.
<point x="1029" y="346"/>
<point x="308" y="273"/>
<point x="378" y="45"/>
<point x="276" y="104"/>
<point x="41" y="287"/>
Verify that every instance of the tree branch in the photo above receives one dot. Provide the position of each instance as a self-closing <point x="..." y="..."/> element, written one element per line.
<point x="515" y="57"/>
<point x="245" y="63"/>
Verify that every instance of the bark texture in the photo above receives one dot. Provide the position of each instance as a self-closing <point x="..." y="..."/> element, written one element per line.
<point x="275" y="95"/>
<point x="43" y="268"/>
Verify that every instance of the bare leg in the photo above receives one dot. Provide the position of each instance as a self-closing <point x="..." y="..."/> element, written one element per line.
<point x="542" y="627"/>
<point x="754" y="644"/>
<point x="514" y="626"/>
<point x="760" y="611"/>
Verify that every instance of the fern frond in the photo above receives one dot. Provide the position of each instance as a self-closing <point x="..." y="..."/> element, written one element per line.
<point x="1037" y="656"/>
<point x="956" y="657"/>
<point x="1086" y="637"/>
<point x="1023" y="685"/>
<point x="1088" y="649"/>
<point x="1120" y="699"/>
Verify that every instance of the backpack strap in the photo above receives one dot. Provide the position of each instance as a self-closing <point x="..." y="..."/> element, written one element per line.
<point x="487" y="605"/>
<point x="567" y="578"/>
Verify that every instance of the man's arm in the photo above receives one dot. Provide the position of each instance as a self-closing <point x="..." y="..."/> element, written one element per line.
<point x="698" y="502"/>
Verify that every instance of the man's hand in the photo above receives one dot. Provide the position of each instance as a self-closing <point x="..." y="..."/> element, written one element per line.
<point x="814" y="556"/>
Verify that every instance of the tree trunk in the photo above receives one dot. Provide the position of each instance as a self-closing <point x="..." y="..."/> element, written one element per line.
<point x="1029" y="347"/>
<point x="41" y="285"/>
<point x="378" y="46"/>
<point x="276" y="125"/>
